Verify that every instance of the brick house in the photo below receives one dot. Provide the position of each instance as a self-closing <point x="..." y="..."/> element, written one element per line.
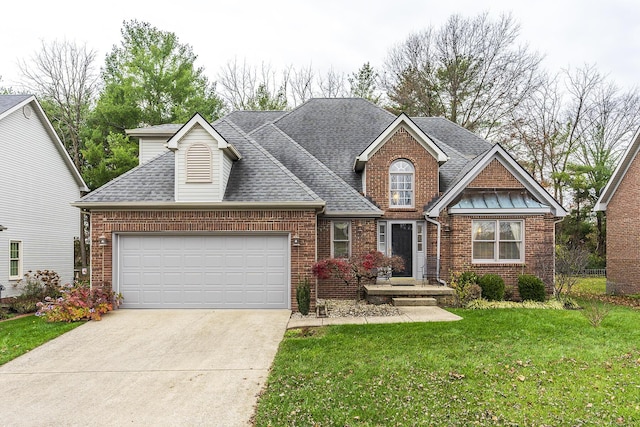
<point x="620" y="201"/>
<point x="234" y="213"/>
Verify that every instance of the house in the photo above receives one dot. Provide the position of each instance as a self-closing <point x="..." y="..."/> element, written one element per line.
<point x="39" y="183"/>
<point x="234" y="213"/>
<point x="620" y="201"/>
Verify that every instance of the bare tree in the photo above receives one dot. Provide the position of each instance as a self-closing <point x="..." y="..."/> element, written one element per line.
<point x="301" y="83"/>
<point x="246" y="87"/>
<point x="332" y="84"/>
<point x="63" y="74"/>
<point x="470" y="71"/>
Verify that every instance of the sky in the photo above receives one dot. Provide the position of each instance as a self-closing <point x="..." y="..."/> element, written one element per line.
<point x="338" y="34"/>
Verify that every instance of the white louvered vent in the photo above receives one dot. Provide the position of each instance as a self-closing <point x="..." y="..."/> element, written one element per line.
<point x="199" y="163"/>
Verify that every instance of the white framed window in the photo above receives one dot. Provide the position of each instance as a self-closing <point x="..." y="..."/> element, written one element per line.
<point x="340" y="239"/>
<point x="498" y="241"/>
<point x="198" y="163"/>
<point x="401" y="178"/>
<point x="382" y="237"/>
<point x="15" y="260"/>
<point x="420" y="237"/>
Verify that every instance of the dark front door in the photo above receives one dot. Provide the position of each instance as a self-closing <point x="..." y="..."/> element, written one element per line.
<point x="402" y="245"/>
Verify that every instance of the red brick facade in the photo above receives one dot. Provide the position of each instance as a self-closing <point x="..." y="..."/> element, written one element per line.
<point x="623" y="234"/>
<point x="495" y="175"/>
<point x="302" y="222"/>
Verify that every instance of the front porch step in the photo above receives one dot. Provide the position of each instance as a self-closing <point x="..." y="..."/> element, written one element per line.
<point x="414" y="302"/>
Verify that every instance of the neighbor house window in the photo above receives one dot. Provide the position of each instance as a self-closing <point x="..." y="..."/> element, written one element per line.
<point x="498" y="241"/>
<point x="198" y="159"/>
<point x="401" y="184"/>
<point x="340" y="239"/>
<point x="15" y="260"/>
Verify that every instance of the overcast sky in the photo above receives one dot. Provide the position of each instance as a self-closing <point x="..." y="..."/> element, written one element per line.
<point x="324" y="33"/>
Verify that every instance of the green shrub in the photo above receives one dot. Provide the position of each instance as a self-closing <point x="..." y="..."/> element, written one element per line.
<point x="23" y="304"/>
<point x="465" y="286"/>
<point x="492" y="287"/>
<point x="303" y="296"/>
<point x="531" y="288"/>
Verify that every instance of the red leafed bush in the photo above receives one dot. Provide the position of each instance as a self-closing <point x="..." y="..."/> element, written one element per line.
<point x="352" y="271"/>
<point x="77" y="302"/>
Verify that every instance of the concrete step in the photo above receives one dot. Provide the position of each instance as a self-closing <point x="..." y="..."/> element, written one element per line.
<point x="414" y="302"/>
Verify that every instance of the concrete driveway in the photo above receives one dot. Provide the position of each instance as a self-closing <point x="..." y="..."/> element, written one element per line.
<point x="146" y="367"/>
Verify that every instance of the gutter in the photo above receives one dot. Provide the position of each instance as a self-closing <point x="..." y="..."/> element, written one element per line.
<point x="319" y="206"/>
<point x="437" y="224"/>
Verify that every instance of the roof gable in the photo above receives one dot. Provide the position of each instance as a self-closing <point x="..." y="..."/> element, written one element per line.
<point x="475" y="167"/>
<point x="197" y="119"/>
<point x="401" y="121"/>
<point x="11" y="103"/>
<point x="620" y="172"/>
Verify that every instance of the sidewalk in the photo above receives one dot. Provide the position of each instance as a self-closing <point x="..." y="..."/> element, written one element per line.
<point x="408" y="315"/>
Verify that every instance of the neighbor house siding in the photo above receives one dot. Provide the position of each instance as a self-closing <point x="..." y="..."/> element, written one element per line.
<point x="198" y="192"/>
<point x="302" y="222"/>
<point x="151" y="147"/>
<point x="36" y="193"/>
<point x="623" y="234"/>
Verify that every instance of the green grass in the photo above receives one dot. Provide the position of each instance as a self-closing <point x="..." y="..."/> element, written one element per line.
<point x="590" y="285"/>
<point x="495" y="367"/>
<point x="18" y="336"/>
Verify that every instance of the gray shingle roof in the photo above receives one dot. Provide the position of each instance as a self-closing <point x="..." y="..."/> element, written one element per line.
<point x="151" y="182"/>
<point x="9" y="101"/>
<point x="339" y="196"/>
<point x="454" y="135"/>
<point x="336" y="131"/>
<point x="249" y="121"/>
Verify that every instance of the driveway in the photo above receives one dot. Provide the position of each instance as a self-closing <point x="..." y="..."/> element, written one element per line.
<point x="146" y="367"/>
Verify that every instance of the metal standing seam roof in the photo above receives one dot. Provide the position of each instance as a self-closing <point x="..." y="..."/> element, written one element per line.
<point x="498" y="200"/>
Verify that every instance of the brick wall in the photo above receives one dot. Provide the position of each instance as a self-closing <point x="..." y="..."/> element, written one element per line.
<point x="302" y="222"/>
<point x="623" y="234"/>
<point x="402" y="145"/>
<point x="539" y="249"/>
<point x="495" y="175"/>
<point x="363" y="239"/>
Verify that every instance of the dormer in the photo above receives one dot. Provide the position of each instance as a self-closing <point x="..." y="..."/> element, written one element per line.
<point x="203" y="161"/>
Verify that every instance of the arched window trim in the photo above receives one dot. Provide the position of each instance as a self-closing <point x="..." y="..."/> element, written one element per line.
<point x="401" y="184"/>
<point x="198" y="163"/>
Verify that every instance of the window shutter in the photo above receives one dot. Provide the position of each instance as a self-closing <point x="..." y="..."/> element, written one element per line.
<point x="199" y="163"/>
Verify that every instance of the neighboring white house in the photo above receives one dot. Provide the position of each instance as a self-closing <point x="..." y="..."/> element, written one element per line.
<point x="38" y="184"/>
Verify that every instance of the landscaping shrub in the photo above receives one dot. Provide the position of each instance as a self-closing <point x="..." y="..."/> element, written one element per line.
<point x="465" y="286"/>
<point x="303" y="296"/>
<point x="24" y="304"/>
<point x="531" y="288"/>
<point x="78" y="302"/>
<point x="492" y="287"/>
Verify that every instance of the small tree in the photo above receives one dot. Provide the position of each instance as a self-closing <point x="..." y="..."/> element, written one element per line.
<point x="570" y="261"/>
<point x="357" y="269"/>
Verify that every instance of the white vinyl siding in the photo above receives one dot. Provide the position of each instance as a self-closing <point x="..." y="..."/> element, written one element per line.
<point x="227" y="164"/>
<point x="198" y="163"/>
<point x="197" y="191"/>
<point x="498" y="241"/>
<point x="151" y="147"/>
<point x="36" y="207"/>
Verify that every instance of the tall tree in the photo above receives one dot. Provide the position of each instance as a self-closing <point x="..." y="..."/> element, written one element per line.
<point x="63" y="75"/>
<point x="246" y="87"/>
<point x="149" y="79"/>
<point x="4" y="90"/>
<point x="470" y="70"/>
<point x="364" y="83"/>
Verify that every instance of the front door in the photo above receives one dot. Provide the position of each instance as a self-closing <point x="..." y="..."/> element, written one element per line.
<point x="402" y="245"/>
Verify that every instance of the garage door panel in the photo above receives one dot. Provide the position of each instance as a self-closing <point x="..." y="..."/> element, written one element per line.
<point x="210" y="271"/>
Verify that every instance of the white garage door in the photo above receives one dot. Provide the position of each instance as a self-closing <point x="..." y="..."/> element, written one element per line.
<point x="211" y="271"/>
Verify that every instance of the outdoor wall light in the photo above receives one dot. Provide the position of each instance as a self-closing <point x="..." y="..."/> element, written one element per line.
<point x="2" y="228"/>
<point x="102" y="240"/>
<point x="296" y="240"/>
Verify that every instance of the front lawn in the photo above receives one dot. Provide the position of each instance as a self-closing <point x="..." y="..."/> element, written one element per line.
<point x="18" y="336"/>
<point x="495" y="367"/>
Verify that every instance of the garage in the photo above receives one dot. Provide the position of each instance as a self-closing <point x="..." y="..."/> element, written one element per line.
<point x="203" y="271"/>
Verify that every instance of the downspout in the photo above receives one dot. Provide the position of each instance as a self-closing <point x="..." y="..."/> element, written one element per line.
<point x="437" y="224"/>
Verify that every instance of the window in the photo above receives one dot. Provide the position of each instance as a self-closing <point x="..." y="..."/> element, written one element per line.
<point x="401" y="184"/>
<point x="198" y="159"/>
<point x="420" y="241"/>
<point x="15" y="260"/>
<point x="340" y="233"/>
<point x="497" y="241"/>
<point x="382" y="237"/>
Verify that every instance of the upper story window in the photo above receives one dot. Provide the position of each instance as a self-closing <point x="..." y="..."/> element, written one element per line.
<point x="401" y="178"/>
<point x="15" y="260"/>
<point x="498" y="241"/>
<point x="198" y="163"/>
